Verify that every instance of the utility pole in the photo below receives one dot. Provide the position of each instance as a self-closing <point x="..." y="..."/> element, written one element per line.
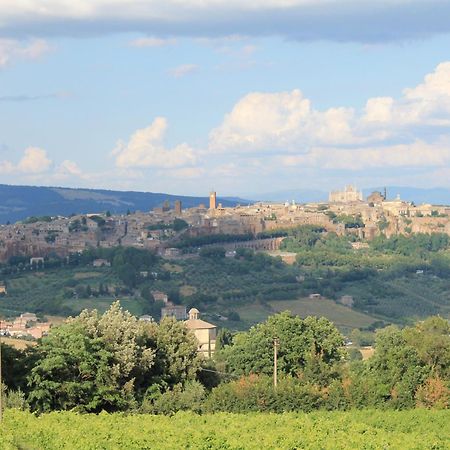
<point x="276" y="342"/>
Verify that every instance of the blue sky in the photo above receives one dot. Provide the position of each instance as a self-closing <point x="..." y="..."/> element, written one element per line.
<point x="182" y="97"/>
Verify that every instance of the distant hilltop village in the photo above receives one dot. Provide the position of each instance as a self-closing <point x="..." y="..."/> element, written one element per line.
<point x="346" y="212"/>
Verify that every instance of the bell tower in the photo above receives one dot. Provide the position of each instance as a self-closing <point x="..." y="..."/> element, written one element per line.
<point x="212" y="200"/>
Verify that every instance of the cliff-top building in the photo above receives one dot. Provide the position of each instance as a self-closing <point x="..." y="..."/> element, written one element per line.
<point x="349" y="195"/>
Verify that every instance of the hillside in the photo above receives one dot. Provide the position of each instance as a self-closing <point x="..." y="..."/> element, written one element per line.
<point x="20" y="202"/>
<point x="386" y="286"/>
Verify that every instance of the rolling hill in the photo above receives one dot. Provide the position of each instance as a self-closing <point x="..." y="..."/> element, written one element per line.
<point x="20" y="202"/>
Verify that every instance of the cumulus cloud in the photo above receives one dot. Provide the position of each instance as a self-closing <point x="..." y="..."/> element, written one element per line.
<point x="425" y="104"/>
<point x="145" y="149"/>
<point x="33" y="161"/>
<point x="386" y="131"/>
<point x="285" y="120"/>
<point x="346" y="20"/>
<point x="183" y="70"/>
<point x="6" y="167"/>
<point x="416" y="154"/>
<point x="69" y="168"/>
<point x="12" y="50"/>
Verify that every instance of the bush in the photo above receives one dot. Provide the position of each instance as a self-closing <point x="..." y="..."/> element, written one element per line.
<point x="190" y="397"/>
<point x="433" y="394"/>
<point x="257" y="393"/>
<point x="16" y="400"/>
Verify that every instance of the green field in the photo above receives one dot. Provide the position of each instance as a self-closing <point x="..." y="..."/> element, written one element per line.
<point x="414" y="429"/>
<point x="341" y="316"/>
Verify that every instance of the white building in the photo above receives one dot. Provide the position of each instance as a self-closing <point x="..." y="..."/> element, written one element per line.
<point x="205" y="333"/>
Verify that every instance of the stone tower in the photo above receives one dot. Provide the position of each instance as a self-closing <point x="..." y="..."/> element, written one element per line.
<point x="212" y="200"/>
<point x="178" y="207"/>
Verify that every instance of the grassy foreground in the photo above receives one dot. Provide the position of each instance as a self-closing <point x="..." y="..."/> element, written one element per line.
<point x="415" y="429"/>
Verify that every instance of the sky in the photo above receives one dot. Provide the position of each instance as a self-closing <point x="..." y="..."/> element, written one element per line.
<point x="185" y="96"/>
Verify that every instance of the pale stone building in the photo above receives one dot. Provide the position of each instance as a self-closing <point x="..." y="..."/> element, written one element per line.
<point x="205" y="333"/>
<point x="178" y="312"/>
<point x="348" y="195"/>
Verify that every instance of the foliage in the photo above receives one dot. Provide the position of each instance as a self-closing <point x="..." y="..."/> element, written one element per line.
<point x="15" y="366"/>
<point x="35" y="219"/>
<point x="349" y="221"/>
<point x="107" y="362"/>
<point x="309" y="347"/>
<point x="257" y="393"/>
<point x="193" y="242"/>
<point x="214" y="252"/>
<point x="179" y="398"/>
<point x="254" y="431"/>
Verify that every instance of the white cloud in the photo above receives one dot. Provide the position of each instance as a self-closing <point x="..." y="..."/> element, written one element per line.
<point x="183" y="70"/>
<point x="12" y="50"/>
<point x="346" y="20"/>
<point x="152" y="42"/>
<point x="285" y="120"/>
<point x="387" y="131"/>
<point x="145" y="149"/>
<point x="6" y="167"/>
<point x="425" y="104"/>
<point x="416" y="154"/>
<point x="34" y="161"/>
<point x="69" y="168"/>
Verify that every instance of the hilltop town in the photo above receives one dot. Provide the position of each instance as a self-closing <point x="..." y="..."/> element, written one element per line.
<point x="346" y="212"/>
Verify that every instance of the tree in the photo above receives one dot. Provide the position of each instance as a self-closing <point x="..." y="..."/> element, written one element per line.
<point x="213" y="252"/>
<point x="303" y="343"/>
<point x="128" y="274"/>
<point x="15" y="365"/>
<point x="395" y="371"/>
<point x="180" y="224"/>
<point x="431" y="339"/>
<point x="108" y="362"/>
<point x="93" y="363"/>
<point x="177" y="360"/>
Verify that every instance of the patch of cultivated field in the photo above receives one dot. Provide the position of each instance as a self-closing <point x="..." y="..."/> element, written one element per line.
<point x="187" y="290"/>
<point x="86" y="275"/>
<point x="340" y="315"/>
<point x="173" y="268"/>
<point x="343" y="317"/>
<point x="254" y="312"/>
<point x="20" y="344"/>
<point x="414" y="429"/>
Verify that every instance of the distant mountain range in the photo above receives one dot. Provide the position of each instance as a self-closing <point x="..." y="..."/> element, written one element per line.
<point x="438" y="196"/>
<point x="19" y="202"/>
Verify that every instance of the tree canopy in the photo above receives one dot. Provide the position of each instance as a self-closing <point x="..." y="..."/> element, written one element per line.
<point x="107" y="362"/>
